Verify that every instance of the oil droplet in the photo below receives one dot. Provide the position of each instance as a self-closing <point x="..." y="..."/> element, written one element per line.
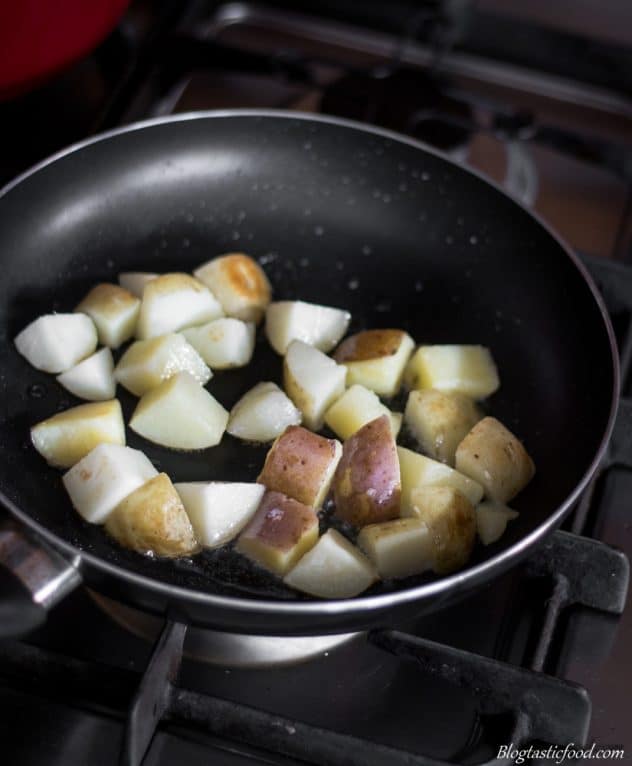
<point x="235" y="236"/>
<point x="353" y="283"/>
<point x="190" y="218"/>
<point x="366" y="250"/>
<point x="386" y="199"/>
<point x="383" y="306"/>
<point x="473" y="239"/>
<point x="307" y="145"/>
<point x="419" y="286"/>
<point x="449" y="239"/>
<point x="36" y="391"/>
<point x="403" y="187"/>
<point x="186" y="242"/>
<point x="303" y="262"/>
<point x="345" y="180"/>
<point x="319" y="231"/>
<point x="340" y="265"/>
<point x="425" y="176"/>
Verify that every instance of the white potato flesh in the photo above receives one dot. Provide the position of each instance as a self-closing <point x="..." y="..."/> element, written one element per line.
<point x="376" y="359"/>
<point x="491" y="521"/>
<point x="312" y="380"/>
<point x="224" y="342"/>
<point x="180" y="414"/>
<point x="104" y="477"/>
<point x="135" y="281"/>
<point x="356" y="407"/>
<point x="91" y="379"/>
<point x="70" y="435"/>
<point x="239" y="284"/>
<point x="468" y="370"/>
<point x="174" y="301"/>
<point x="495" y="458"/>
<point x="418" y="471"/>
<point x="439" y="421"/>
<point x="219" y="510"/>
<point x="114" y="312"/>
<point x="319" y="326"/>
<point x="148" y="363"/>
<point x="262" y="414"/>
<point x="398" y="548"/>
<point x="56" y="342"/>
<point x="333" y="568"/>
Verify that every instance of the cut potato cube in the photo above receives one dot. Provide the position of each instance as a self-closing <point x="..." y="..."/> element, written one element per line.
<point x="468" y="370"/>
<point x="301" y="464"/>
<point x="440" y="421"/>
<point x="114" y="312"/>
<point x="56" y="342"/>
<point x="219" y="510"/>
<point x="320" y="326"/>
<point x="152" y="519"/>
<point x="148" y="363"/>
<point x="333" y="568"/>
<point x="262" y="414"/>
<point x="398" y="548"/>
<point x="224" y="342"/>
<point x="451" y="520"/>
<point x="491" y="521"/>
<point x="376" y="359"/>
<point x="313" y="381"/>
<point x="367" y="487"/>
<point x="356" y="407"/>
<point x="174" y="301"/>
<point x="496" y="459"/>
<point x="70" y="435"/>
<point x="420" y="471"/>
<point x="104" y="477"/>
<point x="91" y="379"/>
<point x="239" y="284"/>
<point x="281" y="531"/>
<point x="135" y="281"/>
<point x="180" y="414"/>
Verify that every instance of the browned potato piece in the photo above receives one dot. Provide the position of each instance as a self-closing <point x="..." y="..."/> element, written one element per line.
<point x="301" y="465"/>
<point x="114" y="312"/>
<point x="451" y="519"/>
<point x="439" y="421"/>
<point x="281" y="531"/>
<point x="152" y="519"/>
<point x="495" y="458"/>
<point x="367" y="486"/>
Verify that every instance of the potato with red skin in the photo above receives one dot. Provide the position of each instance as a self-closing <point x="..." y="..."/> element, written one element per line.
<point x="301" y="464"/>
<point x="281" y="531"/>
<point x="367" y="484"/>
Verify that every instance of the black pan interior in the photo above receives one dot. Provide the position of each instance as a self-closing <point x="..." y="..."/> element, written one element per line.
<point x="336" y="215"/>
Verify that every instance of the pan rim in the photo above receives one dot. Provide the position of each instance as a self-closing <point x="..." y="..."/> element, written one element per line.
<point x="451" y="584"/>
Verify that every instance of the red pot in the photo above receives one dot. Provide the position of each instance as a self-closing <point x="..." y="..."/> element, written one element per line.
<point x="40" y="37"/>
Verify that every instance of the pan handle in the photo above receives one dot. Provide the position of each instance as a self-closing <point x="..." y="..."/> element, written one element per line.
<point x="33" y="578"/>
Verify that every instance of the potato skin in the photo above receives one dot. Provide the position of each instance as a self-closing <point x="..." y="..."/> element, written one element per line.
<point x="369" y="344"/>
<point x="367" y="485"/>
<point x="153" y="519"/>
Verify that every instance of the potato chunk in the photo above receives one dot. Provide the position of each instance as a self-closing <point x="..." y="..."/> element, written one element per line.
<point x="312" y="380"/>
<point x="148" y="363"/>
<point x="281" y="531"/>
<point x="301" y="464"/>
<point x="100" y="480"/>
<point x="70" y="435"/>
<point x="398" y="548"/>
<point x="135" y="281"/>
<point x="491" y="455"/>
<point x="419" y="471"/>
<point x="356" y="407"/>
<point x="439" y="421"/>
<point x="333" y="568"/>
<point x="180" y="414"/>
<point x="114" y="312"/>
<point x="468" y="370"/>
<point x="367" y="487"/>
<point x="376" y="359"/>
<point x="223" y="343"/>
<point x="92" y="378"/>
<point x="172" y="302"/>
<point x="451" y="520"/>
<point x="219" y="510"/>
<point x="319" y="326"/>
<point x="239" y="283"/>
<point x="56" y="342"/>
<point x="152" y="519"/>
<point x="262" y="414"/>
<point x="491" y="521"/>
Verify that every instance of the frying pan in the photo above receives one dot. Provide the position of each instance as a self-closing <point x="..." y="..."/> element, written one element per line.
<point x="338" y="213"/>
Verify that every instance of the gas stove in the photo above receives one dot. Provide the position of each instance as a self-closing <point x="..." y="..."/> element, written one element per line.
<point x="540" y="655"/>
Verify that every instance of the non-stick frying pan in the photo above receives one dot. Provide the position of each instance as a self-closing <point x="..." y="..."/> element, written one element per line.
<point x="339" y="214"/>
